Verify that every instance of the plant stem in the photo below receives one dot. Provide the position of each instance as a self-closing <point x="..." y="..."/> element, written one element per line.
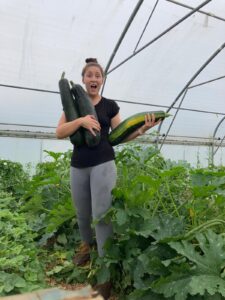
<point x="160" y="201"/>
<point x="203" y="227"/>
<point x="172" y="200"/>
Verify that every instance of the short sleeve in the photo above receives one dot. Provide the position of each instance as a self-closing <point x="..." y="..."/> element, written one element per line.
<point x="113" y="108"/>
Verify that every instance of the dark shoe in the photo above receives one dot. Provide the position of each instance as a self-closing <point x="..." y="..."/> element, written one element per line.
<point x="82" y="257"/>
<point x="104" y="289"/>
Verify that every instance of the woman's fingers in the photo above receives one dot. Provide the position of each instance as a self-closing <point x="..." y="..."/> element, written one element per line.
<point x="149" y="120"/>
<point x="92" y="131"/>
<point x="153" y="118"/>
<point x="94" y="127"/>
<point x="91" y="123"/>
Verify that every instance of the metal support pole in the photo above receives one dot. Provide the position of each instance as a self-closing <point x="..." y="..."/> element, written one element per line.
<point x="151" y="14"/>
<point x="29" y="89"/>
<point x="213" y="139"/>
<point x="188" y="84"/>
<point x="200" y="11"/>
<point x="160" y="35"/>
<point x="205" y="82"/>
<point x="173" y="119"/>
<point x="41" y="151"/>
<point x="121" y="39"/>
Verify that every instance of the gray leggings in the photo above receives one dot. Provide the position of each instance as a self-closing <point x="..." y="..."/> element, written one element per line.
<point x="91" y="192"/>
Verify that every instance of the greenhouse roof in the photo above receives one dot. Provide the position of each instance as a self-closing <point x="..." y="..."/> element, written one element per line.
<point x="161" y="54"/>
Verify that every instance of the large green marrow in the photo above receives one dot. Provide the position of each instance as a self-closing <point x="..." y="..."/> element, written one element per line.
<point x="70" y="109"/>
<point x="129" y="125"/>
<point x="85" y="107"/>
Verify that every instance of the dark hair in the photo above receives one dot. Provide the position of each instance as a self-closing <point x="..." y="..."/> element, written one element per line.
<point x="92" y="62"/>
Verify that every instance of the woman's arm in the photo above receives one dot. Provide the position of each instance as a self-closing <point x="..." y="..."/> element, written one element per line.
<point x="115" y="121"/>
<point x="65" y="129"/>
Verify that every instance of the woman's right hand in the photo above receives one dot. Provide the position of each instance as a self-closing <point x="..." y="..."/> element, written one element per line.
<point x="89" y="122"/>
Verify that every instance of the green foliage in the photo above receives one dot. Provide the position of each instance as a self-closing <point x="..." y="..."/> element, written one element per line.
<point x="20" y="268"/>
<point x="167" y="217"/>
<point x="59" y="266"/>
<point x="47" y="198"/>
<point x="146" y="179"/>
<point x="151" y="213"/>
<point x="12" y="177"/>
<point x="208" y="189"/>
<point x="204" y="274"/>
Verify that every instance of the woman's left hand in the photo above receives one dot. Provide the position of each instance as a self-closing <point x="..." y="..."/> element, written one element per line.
<point x="149" y="123"/>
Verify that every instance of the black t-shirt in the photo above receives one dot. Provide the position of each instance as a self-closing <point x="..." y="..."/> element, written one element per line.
<point x="85" y="156"/>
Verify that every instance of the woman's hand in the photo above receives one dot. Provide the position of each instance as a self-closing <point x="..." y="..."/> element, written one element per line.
<point x="89" y="122"/>
<point x="149" y="123"/>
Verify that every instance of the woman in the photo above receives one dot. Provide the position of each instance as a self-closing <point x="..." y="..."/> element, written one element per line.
<point x="93" y="170"/>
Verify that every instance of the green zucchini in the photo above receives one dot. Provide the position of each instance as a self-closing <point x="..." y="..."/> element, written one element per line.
<point x="129" y="125"/>
<point x="69" y="107"/>
<point x="85" y="107"/>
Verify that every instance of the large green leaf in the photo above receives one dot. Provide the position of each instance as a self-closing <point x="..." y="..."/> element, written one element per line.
<point x="180" y="286"/>
<point x="209" y="258"/>
<point x="9" y="281"/>
<point x="161" y="227"/>
<point x="206" y="259"/>
<point x="173" y="286"/>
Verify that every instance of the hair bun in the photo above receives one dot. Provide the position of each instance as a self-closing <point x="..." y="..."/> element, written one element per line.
<point x="91" y="60"/>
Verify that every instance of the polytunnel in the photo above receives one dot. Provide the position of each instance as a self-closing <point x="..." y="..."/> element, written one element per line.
<point x="158" y="55"/>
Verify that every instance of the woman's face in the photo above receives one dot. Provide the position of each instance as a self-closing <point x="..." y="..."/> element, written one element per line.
<point x="93" y="80"/>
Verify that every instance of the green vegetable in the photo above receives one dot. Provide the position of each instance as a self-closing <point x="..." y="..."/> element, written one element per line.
<point x="85" y="107"/>
<point x="128" y="126"/>
<point x="70" y="109"/>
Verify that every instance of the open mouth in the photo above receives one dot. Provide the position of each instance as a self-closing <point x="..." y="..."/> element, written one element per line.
<point x="93" y="86"/>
